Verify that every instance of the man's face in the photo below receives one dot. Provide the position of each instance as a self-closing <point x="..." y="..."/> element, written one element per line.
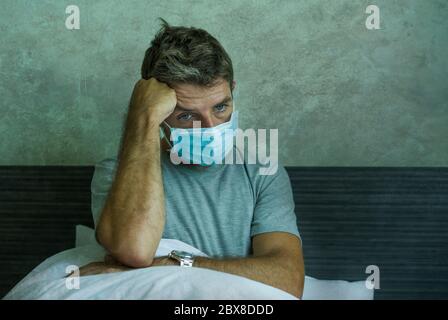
<point x="210" y="105"/>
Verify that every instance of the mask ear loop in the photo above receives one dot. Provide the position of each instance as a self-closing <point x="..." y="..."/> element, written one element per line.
<point x="162" y="132"/>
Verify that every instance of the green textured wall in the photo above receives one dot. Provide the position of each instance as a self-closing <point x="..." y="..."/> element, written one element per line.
<point x="341" y="95"/>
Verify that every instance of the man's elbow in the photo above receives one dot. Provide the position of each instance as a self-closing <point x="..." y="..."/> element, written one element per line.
<point x="299" y="292"/>
<point x="133" y="259"/>
<point x="128" y="253"/>
<point x="296" y="286"/>
<point x="131" y="256"/>
<point x="297" y="279"/>
<point x="300" y="273"/>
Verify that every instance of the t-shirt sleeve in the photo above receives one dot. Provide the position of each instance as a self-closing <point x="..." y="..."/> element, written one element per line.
<point x="274" y="208"/>
<point x="101" y="183"/>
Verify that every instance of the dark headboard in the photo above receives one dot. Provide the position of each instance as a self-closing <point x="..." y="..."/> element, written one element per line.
<point x="349" y="218"/>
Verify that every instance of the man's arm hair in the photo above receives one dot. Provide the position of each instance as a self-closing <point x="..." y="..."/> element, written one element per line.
<point x="277" y="260"/>
<point x="133" y="218"/>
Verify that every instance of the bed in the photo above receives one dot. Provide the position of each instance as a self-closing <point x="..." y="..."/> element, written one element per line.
<point x="349" y="218"/>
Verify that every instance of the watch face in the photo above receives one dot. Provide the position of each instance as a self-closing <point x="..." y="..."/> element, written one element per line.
<point x="183" y="254"/>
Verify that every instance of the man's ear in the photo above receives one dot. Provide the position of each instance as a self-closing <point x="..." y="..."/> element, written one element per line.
<point x="233" y="84"/>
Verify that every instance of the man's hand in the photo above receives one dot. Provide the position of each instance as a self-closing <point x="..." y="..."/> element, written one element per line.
<point x="111" y="265"/>
<point x="99" y="268"/>
<point x="154" y="98"/>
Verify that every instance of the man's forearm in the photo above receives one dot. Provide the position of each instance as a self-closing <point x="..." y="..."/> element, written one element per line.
<point x="133" y="218"/>
<point x="277" y="271"/>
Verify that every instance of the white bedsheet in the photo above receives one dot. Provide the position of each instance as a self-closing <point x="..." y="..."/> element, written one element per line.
<point x="47" y="281"/>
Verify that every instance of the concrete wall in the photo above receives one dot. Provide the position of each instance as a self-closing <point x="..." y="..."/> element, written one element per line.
<point x="340" y="95"/>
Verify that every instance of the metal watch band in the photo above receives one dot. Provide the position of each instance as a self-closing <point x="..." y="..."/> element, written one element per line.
<point x="186" y="262"/>
<point x="185" y="259"/>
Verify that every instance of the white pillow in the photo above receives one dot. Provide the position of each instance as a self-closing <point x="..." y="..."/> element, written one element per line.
<point x="314" y="289"/>
<point x="84" y="236"/>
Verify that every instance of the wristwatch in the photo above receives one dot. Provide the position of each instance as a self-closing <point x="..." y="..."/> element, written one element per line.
<point x="186" y="259"/>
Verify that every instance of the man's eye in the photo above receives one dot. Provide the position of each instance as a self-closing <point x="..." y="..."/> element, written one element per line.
<point x="221" y="108"/>
<point x="184" y="117"/>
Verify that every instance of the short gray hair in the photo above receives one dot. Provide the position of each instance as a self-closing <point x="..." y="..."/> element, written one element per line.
<point x="186" y="55"/>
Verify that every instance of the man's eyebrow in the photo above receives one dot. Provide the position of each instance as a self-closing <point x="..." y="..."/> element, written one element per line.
<point x="226" y="99"/>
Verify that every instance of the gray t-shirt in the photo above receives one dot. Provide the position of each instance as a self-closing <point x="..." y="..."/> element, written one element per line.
<point x="216" y="209"/>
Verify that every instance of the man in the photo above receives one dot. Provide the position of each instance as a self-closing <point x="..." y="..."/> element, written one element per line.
<point x="243" y="220"/>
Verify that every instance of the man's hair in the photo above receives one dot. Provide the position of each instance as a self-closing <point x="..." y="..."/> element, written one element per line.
<point x="191" y="55"/>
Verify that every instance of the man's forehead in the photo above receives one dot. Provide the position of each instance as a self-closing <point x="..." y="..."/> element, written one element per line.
<point x="193" y="96"/>
<point x="191" y="91"/>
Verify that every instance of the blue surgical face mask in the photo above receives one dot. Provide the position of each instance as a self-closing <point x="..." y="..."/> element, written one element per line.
<point x="204" y="146"/>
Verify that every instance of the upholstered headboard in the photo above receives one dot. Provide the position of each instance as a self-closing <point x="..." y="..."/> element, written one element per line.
<point x="349" y="218"/>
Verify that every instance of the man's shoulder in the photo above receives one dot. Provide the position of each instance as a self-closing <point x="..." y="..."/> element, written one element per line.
<point x="256" y="167"/>
<point x="261" y="176"/>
